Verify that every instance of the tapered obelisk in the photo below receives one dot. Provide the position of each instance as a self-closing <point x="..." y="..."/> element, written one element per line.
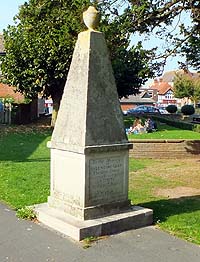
<point x="89" y="149"/>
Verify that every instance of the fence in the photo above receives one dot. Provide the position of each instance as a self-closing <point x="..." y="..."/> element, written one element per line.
<point x="5" y="113"/>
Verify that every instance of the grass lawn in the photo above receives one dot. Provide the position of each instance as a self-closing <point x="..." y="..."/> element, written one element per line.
<point x="164" y="132"/>
<point x="24" y="180"/>
<point x="24" y="168"/>
<point x="172" y="189"/>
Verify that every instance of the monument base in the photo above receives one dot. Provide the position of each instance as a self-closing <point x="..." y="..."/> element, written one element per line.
<point x="56" y="219"/>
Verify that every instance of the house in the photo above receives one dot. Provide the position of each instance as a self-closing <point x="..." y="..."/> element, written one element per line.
<point x="2" y="49"/>
<point x="170" y="75"/>
<point x="159" y="93"/>
<point x="14" y="107"/>
<point x="7" y="92"/>
<point x="165" y="93"/>
<point x="164" y="88"/>
<point x="134" y="100"/>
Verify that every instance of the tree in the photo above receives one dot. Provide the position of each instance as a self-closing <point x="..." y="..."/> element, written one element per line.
<point x="187" y="86"/>
<point x="192" y="50"/>
<point x="39" y="49"/>
<point x="165" y="19"/>
<point x="132" y="65"/>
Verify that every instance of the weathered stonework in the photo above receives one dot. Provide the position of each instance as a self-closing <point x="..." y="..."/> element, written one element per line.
<point x="88" y="186"/>
<point x="90" y="113"/>
<point x="90" y="151"/>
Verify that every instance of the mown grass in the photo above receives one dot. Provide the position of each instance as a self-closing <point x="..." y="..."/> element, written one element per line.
<point x="24" y="168"/>
<point x="179" y="216"/>
<point x="164" y="132"/>
<point x="24" y="180"/>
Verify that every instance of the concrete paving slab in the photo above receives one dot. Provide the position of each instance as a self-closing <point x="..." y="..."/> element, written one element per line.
<point x="26" y="241"/>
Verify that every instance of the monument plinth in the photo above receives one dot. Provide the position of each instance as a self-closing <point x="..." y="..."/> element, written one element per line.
<point x="90" y="151"/>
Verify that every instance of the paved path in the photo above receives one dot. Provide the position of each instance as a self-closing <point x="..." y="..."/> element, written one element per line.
<point x="29" y="242"/>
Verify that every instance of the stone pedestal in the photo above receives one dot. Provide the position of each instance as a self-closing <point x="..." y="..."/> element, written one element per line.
<point x="90" y="151"/>
<point x="90" y="185"/>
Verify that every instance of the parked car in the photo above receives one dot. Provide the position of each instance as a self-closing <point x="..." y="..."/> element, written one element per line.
<point x="162" y="110"/>
<point x="124" y="112"/>
<point x="143" y="110"/>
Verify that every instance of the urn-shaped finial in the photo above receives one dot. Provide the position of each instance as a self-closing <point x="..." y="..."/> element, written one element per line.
<point x="91" y="18"/>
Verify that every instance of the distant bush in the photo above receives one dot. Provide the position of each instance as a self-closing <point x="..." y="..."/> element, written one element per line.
<point x="187" y="110"/>
<point x="196" y="128"/>
<point x="171" y="109"/>
<point x="178" y="123"/>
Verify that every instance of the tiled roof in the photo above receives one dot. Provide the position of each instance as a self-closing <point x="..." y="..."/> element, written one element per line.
<point x="170" y="75"/>
<point x="164" y="89"/>
<point x="7" y="91"/>
<point x="137" y="99"/>
<point x="2" y="50"/>
<point x="161" y="86"/>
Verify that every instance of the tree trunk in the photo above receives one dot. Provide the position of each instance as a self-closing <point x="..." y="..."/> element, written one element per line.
<point x="56" y="105"/>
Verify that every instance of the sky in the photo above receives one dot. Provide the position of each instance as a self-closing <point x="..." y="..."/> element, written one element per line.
<point x="9" y="8"/>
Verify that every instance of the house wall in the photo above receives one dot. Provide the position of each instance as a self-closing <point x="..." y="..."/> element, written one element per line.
<point x="125" y="107"/>
<point x="164" y="100"/>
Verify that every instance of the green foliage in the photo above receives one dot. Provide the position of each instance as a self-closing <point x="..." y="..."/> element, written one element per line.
<point x="171" y="109"/>
<point x="192" y="49"/>
<point x="7" y="100"/>
<point x="39" y="48"/>
<point x="26" y="213"/>
<point x="186" y="85"/>
<point x="176" y="123"/>
<point x="196" y="128"/>
<point x="147" y="16"/>
<point x="24" y="180"/>
<point x="24" y="165"/>
<point x="187" y="110"/>
<point x="179" y="216"/>
<point x="87" y="242"/>
<point x="132" y="69"/>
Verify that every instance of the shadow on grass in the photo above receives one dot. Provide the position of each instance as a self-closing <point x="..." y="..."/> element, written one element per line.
<point x="20" y="146"/>
<point x="193" y="147"/>
<point x="33" y="160"/>
<point x="165" y="208"/>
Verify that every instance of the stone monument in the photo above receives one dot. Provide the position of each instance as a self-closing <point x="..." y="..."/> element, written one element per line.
<point x="89" y="149"/>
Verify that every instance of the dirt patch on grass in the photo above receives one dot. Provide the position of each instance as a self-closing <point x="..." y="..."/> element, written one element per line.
<point x="185" y="171"/>
<point x="177" y="192"/>
<point x="41" y="125"/>
<point x="172" y="178"/>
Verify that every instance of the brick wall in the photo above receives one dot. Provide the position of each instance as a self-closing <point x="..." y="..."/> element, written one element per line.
<point x="165" y="148"/>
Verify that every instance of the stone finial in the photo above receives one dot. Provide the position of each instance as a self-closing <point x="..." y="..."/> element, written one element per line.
<point x="91" y="18"/>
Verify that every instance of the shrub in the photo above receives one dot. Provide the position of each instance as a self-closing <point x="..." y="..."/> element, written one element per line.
<point x="187" y="110"/>
<point x="26" y="213"/>
<point x="178" y="123"/>
<point x="171" y="109"/>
